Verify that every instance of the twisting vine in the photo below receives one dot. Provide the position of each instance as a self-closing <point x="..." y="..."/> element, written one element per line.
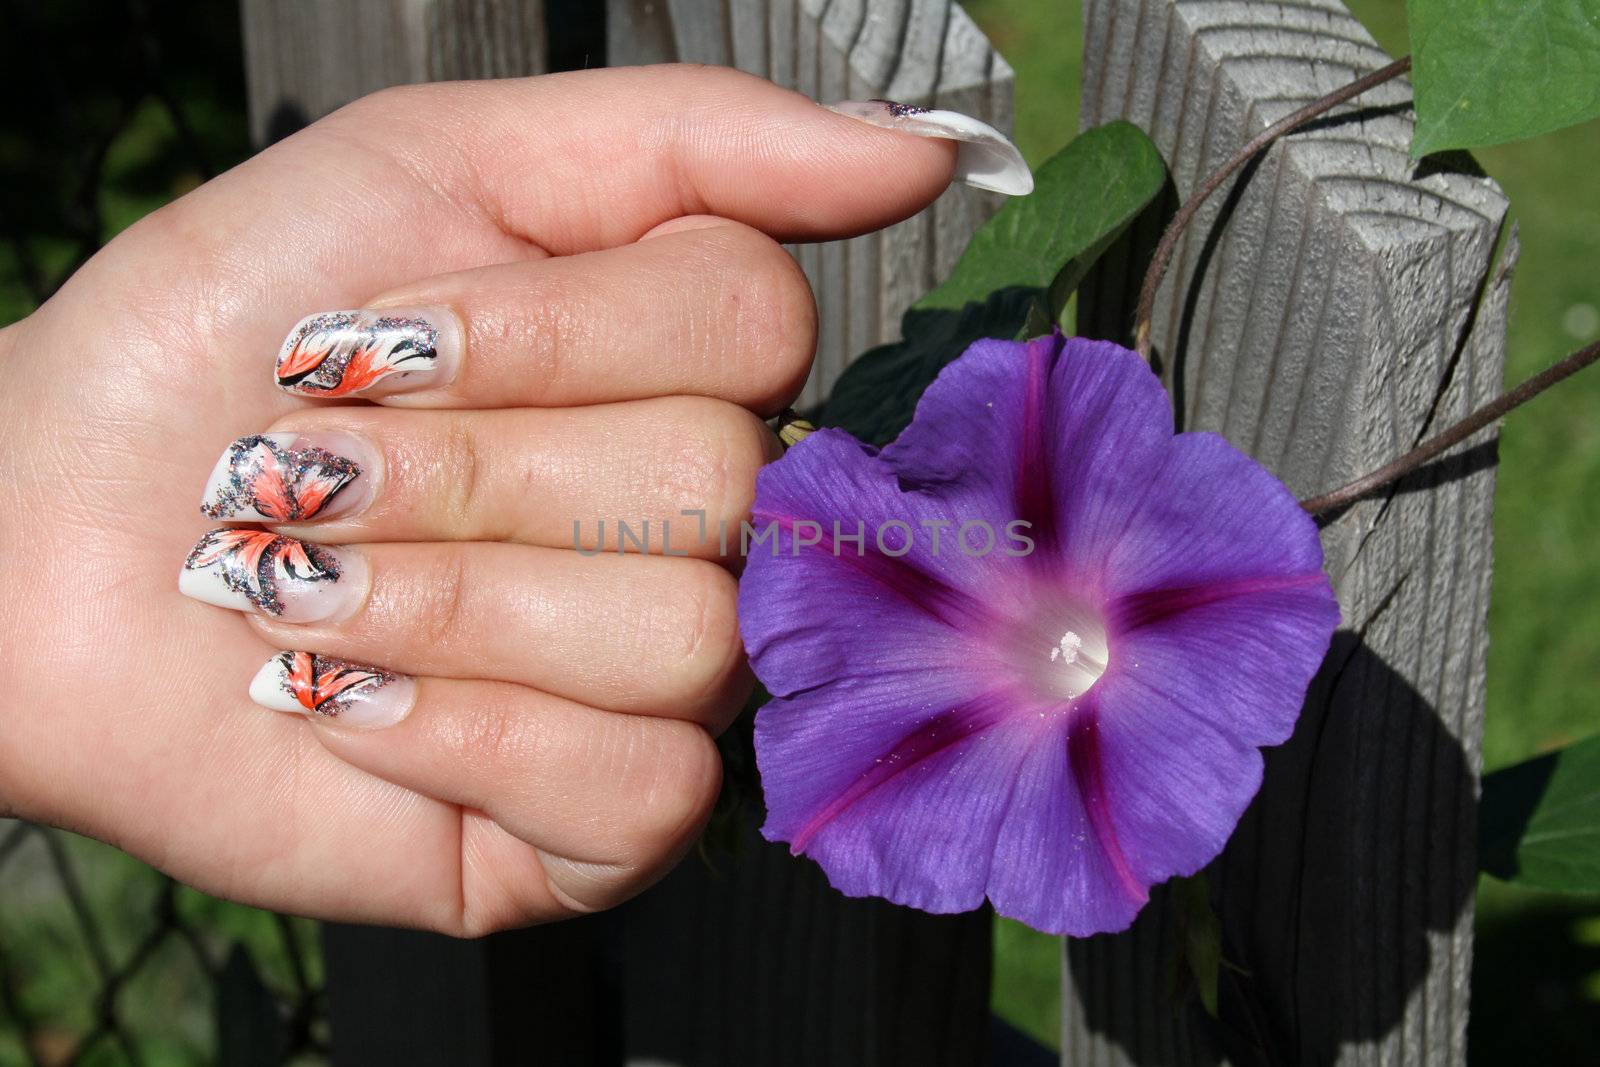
<point x="1442" y="442"/>
<point x="1435" y="446"/>
<point x="1257" y="144"/>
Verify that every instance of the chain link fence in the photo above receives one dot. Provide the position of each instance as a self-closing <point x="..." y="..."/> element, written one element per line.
<point x="111" y="109"/>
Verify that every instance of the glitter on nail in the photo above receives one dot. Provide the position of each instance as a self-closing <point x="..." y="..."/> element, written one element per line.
<point x="328" y="686"/>
<point x="253" y="563"/>
<point x="342" y="353"/>
<point x="265" y="479"/>
<point x="899" y="110"/>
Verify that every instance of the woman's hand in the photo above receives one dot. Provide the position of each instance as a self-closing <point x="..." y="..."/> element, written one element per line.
<point x="576" y="309"/>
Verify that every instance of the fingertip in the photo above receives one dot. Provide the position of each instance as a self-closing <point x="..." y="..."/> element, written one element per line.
<point x="618" y="152"/>
<point x="853" y="178"/>
<point x="985" y="158"/>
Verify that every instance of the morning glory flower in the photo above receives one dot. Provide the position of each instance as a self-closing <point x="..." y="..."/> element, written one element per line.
<point x="1059" y="722"/>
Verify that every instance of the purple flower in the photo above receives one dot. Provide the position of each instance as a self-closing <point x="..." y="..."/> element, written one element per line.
<point x="1057" y="729"/>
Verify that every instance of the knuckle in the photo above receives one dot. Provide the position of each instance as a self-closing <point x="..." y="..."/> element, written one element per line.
<point x="711" y="650"/>
<point x="439" y="598"/>
<point x="687" y="780"/>
<point x="460" y="467"/>
<point x="719" y="451"/>
<point x="386" y="105"/>
<point x="774" y="315"/>
<point x="490" y="739"/>
<point x="705" y="84"/>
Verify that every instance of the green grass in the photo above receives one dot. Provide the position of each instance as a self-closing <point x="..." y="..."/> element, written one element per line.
<point x="1544" y="622"/>
<point x="165" y="1006"/>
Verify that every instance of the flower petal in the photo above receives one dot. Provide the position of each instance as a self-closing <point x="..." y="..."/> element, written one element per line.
<point x="1209" y="515"/>
<point x="1063" y="433"/>
<point x="1174" y="784"/>
<point x="880" y="696"/>
<point x="892" y="796"/>
<point x="813" y="614"/>
<point x="976" y="802"/>
<point x="1060" y="862"/>
<point x="919" y="747"/>
<point x="1221" y="615"/>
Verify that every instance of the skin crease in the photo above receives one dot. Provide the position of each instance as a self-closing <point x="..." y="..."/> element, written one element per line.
<point x="494" y="804"/>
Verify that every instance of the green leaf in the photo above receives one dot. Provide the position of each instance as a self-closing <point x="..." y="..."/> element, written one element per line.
<point x="1489" y="71"/>
<point x="1200" y="949"/>
<point x="1084" y="196"/>
<point x="1539" y="821"/>
<point x="1017" y="273"/>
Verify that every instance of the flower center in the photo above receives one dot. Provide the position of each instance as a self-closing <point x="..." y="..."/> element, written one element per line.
<point x="1062" y="651"/>
<point x="1078" y="658"/>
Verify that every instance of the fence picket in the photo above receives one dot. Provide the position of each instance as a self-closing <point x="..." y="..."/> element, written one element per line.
<point x="1333" y="308"/>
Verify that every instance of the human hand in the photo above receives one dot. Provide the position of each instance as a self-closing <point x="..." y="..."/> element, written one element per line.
<point x="596" y="254"/>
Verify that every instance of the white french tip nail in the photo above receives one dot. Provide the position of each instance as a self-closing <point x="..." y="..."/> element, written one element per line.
<point x="350" y="694"/>
<point x="986" y="159"/>
<point x="270" y="689"/>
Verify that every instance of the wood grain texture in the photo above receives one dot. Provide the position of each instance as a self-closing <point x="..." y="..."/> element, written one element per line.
<point x="765" y="964"/>
<point x="754" y="961"/>
<point x="760" y="962"/>
<point x="916" y="51"/>
<point x="305" y="58"/>
<point x="1329" y="310"/>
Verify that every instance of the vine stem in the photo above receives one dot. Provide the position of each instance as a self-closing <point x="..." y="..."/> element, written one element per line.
<point x="1191" y="206"/>
<point x="1396" y="469"/>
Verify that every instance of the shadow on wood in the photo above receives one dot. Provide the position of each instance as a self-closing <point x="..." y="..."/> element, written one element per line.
<point x="1332" y="308"/>
<point x="1373" y="890"/>
<point x="759" y="963"/>
<point x="546" y="995"/>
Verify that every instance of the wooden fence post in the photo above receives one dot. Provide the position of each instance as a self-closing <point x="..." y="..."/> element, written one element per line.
<point x="915" y="51"/>
<point x="761" y="962"/>
<point x="758" y="961"/>
<point x="304" y="58"/>
<point x="1327" y="312"/>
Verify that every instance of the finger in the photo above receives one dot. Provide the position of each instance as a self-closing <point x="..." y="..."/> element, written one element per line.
<point x="594" y="159"/>
<point x="608" y="802"/>
<point x="702" y="306"/>
<point x="677" y="472"/>
<point x="420" y="180"/>
<point x="637" y="634"/>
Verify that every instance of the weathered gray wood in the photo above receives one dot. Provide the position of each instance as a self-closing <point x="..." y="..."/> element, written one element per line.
<point x="757" y="962"/>
<point x="761" y="963"/>
<point x="916" y="51"/>
<point x="766" y="964"/>
<point x="304" y="58"/>
<point x="1332" y="310"/>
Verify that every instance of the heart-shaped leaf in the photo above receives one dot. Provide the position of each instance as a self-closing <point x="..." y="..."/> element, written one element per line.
<point x="1489" y="71"/>
<point x="1539" y="821"/>
<point x="1017" y="272"/>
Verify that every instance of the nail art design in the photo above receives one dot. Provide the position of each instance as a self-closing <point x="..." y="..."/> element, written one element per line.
<point x="986" y="159"/>
<point x="368" y="353"/>
<point x="354" y="694"/>
<point x="258" y="570"/>
<point x="282" y="477"/>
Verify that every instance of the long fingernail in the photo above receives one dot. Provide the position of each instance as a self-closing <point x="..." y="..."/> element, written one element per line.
<point x="273" y="575"/>
<point x="986" y="159"/>
<point x="290" y="477"/>
<point x="370" y="353"/>
<point x="348" y="693"/>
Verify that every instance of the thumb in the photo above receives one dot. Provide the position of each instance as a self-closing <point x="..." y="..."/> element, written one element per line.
<point x="594" y="159"/>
